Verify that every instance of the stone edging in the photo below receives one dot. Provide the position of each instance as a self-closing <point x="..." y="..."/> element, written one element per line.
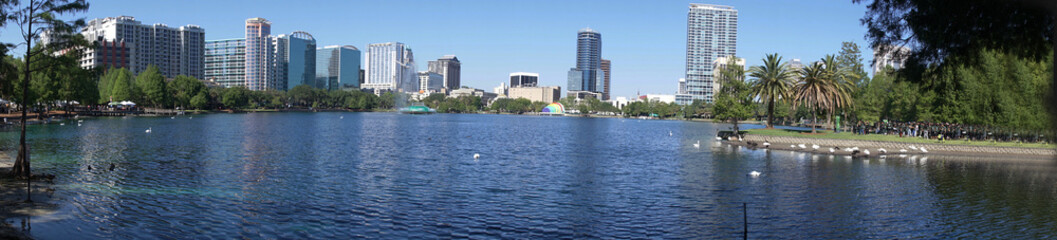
<point x="895" y="146"/>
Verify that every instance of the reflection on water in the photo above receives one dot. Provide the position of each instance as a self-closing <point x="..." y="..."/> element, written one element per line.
<point x="380" y="175"/>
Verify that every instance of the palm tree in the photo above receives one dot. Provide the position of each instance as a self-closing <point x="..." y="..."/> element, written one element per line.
<point x="773" y="80"/>
<point x="814" y="90"/>
<point x="842" y="78"/>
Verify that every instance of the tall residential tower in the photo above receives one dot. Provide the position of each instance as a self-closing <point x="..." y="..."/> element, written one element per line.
<point x="390" y="67"/>
<point x="260" y="57"/>
<point x="711" y="32"/>
<point x="125" y="42"/>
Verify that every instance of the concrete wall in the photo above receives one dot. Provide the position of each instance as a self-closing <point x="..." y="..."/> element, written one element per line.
<point x="892" y="147"/>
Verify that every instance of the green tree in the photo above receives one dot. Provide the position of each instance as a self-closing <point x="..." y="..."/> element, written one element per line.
<point x="200" y="100"/>
<point x="236" y="97"/>
<point x="33" y="17"/>
<point x="773" y="81"/>
<point x="183" y="88"/>
<point x="122" y="87"/>
<point x="843" y="80"/>
<point x="152" y="85"/>
<point x="734" y="101"/>
<point x="817" y="90"/>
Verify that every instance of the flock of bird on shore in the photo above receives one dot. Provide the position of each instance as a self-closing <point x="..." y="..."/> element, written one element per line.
<point x="854" y="151"/>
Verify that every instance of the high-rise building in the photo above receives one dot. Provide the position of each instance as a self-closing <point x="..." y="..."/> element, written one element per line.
<point x="390" y="67"/>
<point x="605" y="69"/>
<point x="895" y="57"/>
<point x="587" y="76"/>
<point x="524" y="79"/>
<point x="338" y="67"/>
<point x="711" y="32"/>
<point x="430" y="82"/>
<point x="124" y="42"/>
<point x="450" y="68"/>
<point x="226" y="62"/>
<point x="296" y="60"/>
<point x="719" y="64"/>
<point x="260" y="56"/>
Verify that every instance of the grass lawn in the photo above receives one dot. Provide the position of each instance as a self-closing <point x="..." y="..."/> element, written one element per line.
<point x="887" y="138"/>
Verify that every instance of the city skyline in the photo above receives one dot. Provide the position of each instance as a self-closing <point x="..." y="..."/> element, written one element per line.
<point x="646" y="41"/>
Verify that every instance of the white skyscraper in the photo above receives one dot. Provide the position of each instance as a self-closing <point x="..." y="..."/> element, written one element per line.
<point x="390" y="66"/>
<point x="174" y="50"/>
<point x="711" y="32"/>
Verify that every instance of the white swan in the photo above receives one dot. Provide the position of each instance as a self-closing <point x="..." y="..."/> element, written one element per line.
<point x="831" y="150"/>
<point x="698" y="144"/>
<point x="754" y="174"/>
<point x="866" y="152"/>
<point x="801" y="145"/>
<point x="719" y="139"/>
<point x="148" y="130"/>
<point x="923" y="150"/>
<point x="814" y="146"/>
<point x="476" y="156"/>
<point x="766" y="144"/>
<point x="882" y="150"/>
<point x="902" y="150"/>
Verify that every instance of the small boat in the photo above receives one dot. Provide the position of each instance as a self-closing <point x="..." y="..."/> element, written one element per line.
<point x="417" y="110"/>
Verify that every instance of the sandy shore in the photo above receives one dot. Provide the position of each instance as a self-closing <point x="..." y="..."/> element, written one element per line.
<point x="14" y="210"/>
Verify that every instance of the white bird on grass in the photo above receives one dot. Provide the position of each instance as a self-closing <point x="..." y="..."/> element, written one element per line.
<point x="754" y="174"/>
<point x="148" y="130"/>
<point x="697" y="144"/>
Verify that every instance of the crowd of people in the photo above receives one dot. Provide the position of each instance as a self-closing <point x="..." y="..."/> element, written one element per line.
<point x="950" y="131"/>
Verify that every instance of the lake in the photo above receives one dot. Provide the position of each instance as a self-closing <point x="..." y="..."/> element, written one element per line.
<point x="393" y="176"/>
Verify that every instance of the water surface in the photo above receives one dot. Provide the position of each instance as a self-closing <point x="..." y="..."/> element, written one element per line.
<point x="391" y="176"/>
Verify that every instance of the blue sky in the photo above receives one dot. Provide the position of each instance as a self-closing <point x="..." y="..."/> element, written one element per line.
<point x="646" y="40"/>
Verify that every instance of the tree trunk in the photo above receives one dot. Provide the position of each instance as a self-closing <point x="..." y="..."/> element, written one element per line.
<point x="770" y="113"/>
<point x="814" y="120"/>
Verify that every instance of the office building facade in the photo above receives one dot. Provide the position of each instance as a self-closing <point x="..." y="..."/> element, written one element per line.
<point x="605" y="66"/>
<point x="587" y="76"/>
<point x="524" y="79"/>
<point x="711" y="32"/>
<point x="450" y="68"/>
<point x="125" y="42"/>
<point x="338" y="67"/>
<point x="548" y="94"/>
<point x="225" y="62"/>
<point x="296" y="60"/>
<point x="430" y="82"/>
<point x="390" y="67"/>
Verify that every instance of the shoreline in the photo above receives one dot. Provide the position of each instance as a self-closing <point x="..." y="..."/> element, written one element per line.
<point x="892" y="148"/>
